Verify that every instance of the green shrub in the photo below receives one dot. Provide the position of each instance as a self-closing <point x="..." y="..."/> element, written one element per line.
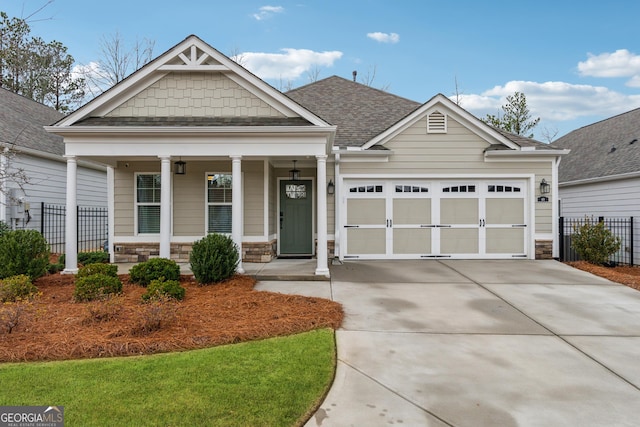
<point x="156" y="268"/>
<point x="4" y="228"/>
<point x="214" y="258"/>
<point x="23" y="252"/>
<point x="85" y="258"/>
<point x="594" y="243"/>
<point x="97" y="286"/>
<point x="167" y="288"/>
<point x="55" y="268"/>
<point x="98" y="268"/>
<point x="16" y="288"/>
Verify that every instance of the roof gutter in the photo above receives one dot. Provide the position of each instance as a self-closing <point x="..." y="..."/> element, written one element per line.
<point x="525" y="153"/>
<point x="628" y="175"/>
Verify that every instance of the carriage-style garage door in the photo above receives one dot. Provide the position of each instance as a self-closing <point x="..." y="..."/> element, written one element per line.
<point x="430" y="219"/>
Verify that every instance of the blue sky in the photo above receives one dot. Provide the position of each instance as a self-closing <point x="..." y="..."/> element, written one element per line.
<point x="577" y="62"/>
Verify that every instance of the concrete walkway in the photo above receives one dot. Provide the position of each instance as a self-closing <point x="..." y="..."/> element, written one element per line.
<point x="480" y="343"/>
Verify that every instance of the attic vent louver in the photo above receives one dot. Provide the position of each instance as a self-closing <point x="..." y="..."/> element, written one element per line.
<point x="436" y="122"/>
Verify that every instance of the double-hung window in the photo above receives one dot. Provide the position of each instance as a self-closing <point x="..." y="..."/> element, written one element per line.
<point x="148" y="203"/>
<point x="219" y="203"/>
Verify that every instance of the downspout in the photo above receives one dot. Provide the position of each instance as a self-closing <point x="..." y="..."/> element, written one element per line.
<point x="337" y="253"/>
<point x="3" y="186"/>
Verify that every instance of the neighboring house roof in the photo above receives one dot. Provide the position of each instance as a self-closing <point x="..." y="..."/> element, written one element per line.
<point x="606" y="148"/>
<point x="360" y="112"/>
<point x="22" y="121"/>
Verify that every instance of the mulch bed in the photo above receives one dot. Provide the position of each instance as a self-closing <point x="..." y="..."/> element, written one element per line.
<point x="54" y="327"/>
<point x="624" y="274"/>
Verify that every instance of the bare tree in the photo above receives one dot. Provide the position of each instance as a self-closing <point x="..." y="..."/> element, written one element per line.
<point x="117" y="60"/>
<point x="549" y="134"/>
<point x="9" y="173"/>
<point x="285" y="86"/>
<point x="237" y="56"/>
<point x="370" y="77"/>
<point x="313" y="74"/>
<point x="458" y="93"/>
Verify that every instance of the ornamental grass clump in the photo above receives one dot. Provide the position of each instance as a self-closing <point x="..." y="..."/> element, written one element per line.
<point x="214" y="258"/>
<point x="23" y="252"/>
<point x="154" y="269"/>
<point x="594" y="243"/>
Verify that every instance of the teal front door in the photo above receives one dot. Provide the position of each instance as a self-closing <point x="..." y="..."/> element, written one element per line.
<point x="296" y="213"/>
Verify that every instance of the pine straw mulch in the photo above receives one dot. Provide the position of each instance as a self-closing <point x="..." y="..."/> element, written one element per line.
<point x="623" y="274"/>
<point x="54" y="327"/>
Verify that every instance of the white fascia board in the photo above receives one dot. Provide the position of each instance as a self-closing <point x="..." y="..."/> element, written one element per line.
<point x="158" y="131"/>
<point x="496" y="155"/>
<point x="618" y="177"/>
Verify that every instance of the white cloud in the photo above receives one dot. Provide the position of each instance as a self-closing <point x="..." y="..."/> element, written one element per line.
<point x="267" y="11"/>
<point x="290" y="64"/>
<point x="384" y="37"/>
<point x="553" y="101"/>
<point x="620" y="63"/>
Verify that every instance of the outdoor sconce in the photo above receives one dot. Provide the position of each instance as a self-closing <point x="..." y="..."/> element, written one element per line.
<point x="180" y="167"/>
<point x="545" y="188"/>
<point x="331" y="188"/>
<point x="294" y="174"/>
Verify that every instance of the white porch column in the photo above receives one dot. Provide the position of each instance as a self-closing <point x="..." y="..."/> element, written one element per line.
<point x="236" y="206"/>
<point x="165" y="207"/>
<point x="111" y="216"/>
<point x="322" y="269"/>
<point x="71" y="218"/>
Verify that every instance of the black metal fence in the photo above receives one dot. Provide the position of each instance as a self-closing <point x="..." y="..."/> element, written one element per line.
<point x="92" y="227"/>
<point x="621" y="227"/>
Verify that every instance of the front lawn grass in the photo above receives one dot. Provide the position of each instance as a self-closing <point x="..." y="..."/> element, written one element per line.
<point x="274" y="382"/>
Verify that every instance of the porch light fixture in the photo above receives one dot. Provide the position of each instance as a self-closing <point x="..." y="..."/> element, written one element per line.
<point x="294" y="174"/>
<point x="331" y="188"/>
<point x="180" y="167"/>
<point x="545" y="188"/>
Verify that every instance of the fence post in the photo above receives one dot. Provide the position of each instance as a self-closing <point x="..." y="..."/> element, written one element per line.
<point x="561" y="237"/>
<point x="631" y="241"/>
<point x="42" y="217"/>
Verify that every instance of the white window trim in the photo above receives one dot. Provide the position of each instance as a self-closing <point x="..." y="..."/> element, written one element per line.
<point x="207" y="203"/>
<point x="136" y="203"/>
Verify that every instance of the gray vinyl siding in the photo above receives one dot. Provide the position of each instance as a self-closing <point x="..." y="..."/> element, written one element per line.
<point x="273" y="202"/>
<point x="457" y="152"/>
<point x="48" y="184"/>
<point x="253" y="186"/>
<point x="619" y="198"/>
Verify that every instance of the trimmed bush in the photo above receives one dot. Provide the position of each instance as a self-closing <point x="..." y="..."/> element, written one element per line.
<point x="97" y="286"/>
<point x="85" y="258"/>
<point x="16" y="287"/>
<point x="214" y="258"/>
<point x="164" y="288"/>
<point x="98" y="268"/>
<point x="23" y="252"/>
<point x="4" y="228"/>
<point x="154" y="269"/>
<point x="594" y="243"/>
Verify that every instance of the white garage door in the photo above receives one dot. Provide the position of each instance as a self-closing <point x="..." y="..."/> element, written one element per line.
<point x="431" y="219"/>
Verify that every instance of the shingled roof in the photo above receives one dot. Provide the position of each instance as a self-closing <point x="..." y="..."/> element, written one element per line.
<point x="22" y="121"/>
<point x="360" y="112"/>
<point x="606" y="148"/>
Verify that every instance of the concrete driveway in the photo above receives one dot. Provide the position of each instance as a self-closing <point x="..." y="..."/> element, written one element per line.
<point x="482" y="343"/>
